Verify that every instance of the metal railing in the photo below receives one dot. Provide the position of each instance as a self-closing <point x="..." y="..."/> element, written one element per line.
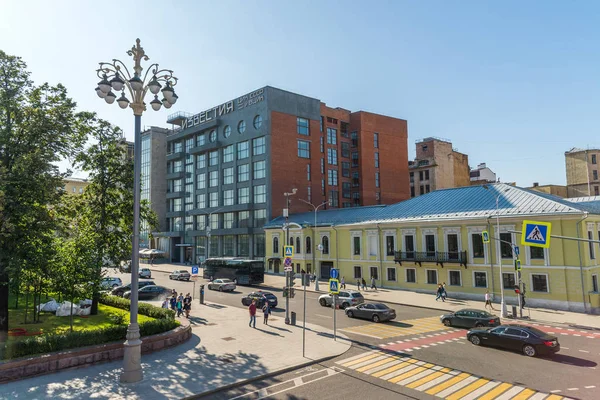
<point x="438" y="257"/>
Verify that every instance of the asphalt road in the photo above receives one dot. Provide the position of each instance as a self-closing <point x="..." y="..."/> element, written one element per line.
<point x="416" y="335"/>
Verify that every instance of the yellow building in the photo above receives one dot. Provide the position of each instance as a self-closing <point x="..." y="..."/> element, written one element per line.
<point x="437" y="237"/>
<point x="75" y="185"/>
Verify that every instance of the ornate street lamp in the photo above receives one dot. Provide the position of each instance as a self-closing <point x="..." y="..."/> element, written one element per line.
<point x="116" y="76"/>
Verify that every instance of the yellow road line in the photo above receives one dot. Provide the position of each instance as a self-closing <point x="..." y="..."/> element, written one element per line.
<point x="377" y="364"/>
<point x="425" y="379"/>
<point x="362" y="359"/>
<point x="492" y="394"/>
<point x="525" y="394"/>
<point x="393" y="368"/>
<point x="554" y="397"/>
<point x="448" y="383"/>
<point x="407" y="374"/>
<point x="468" y="389"/>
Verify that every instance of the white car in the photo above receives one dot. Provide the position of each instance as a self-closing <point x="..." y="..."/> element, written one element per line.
<point x="222" y="285"/>
<point x="145" y="273"/>
<point x="110" y="282"/>
<point x="180" y="275"/>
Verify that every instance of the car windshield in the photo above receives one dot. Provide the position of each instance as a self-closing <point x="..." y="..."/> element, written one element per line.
<point x="357" y="295"/>
<point x="226" y="280"/>
<point x="485" y="314"/>
<point x="381" y="306"/>
<point x="536" y="331"/>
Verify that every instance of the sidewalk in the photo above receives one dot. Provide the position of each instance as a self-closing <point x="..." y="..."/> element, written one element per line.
<point x="425" y="300"/>
<point x="223" y="351"/>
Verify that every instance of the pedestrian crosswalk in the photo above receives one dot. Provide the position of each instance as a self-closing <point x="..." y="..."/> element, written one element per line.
<point x="436" y="380"/>
<point x="399" y="328"/>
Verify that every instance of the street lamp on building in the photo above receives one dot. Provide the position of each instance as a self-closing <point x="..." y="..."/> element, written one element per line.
<point x="498" y="250"/>
<point x="315" y="247"/>
<point x="116" y="76"/>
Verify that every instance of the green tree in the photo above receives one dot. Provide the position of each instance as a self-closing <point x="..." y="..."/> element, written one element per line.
<point x="38" y="126"/>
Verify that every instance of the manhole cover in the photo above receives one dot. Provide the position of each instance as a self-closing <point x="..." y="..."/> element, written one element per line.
<point x="228" y="338"/>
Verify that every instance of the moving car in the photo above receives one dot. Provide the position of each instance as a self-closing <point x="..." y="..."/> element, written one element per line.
<point x="150" y="292"/>
<point x="260" y="298"/>
<point x="376" y="312"/>
<point x="180" y="275"/>
<point x="222" y="285"/>
<point x="110" y="282"/>
<point x="345" y="298"/>
<point x="145" y="273"/>
<point x="526" y="339"/>
<point x="120" y="290"/>
<point x="469" y="318"/>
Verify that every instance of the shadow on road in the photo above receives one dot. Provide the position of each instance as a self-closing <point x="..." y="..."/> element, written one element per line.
<point x="570" y="360"/>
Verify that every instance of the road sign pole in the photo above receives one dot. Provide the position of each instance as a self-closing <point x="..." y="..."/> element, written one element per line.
<point x="304" y="317"/>
<point x="334" y="324"/>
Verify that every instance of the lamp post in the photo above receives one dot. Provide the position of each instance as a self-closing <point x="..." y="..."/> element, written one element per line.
<point x="315" y="208"/>
<point x="498" y="251"/>
<point x="115" y="75"/>
<point x="286" y="212"/>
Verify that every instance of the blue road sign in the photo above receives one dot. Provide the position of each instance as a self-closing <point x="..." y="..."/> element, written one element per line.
<point x="195" y="270"/>
<point x="536" y="234"/>
<point x="289" y="251"/>
<point x="517" y="251"/>
<point x="334" y="273"/>
<point x="288" y="262"/>
<point x="334" y="286"/>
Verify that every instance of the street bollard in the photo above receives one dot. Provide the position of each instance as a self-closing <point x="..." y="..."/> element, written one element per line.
<point x="293" y="318"/>
<point x="202" y="294"/>
<point x="514" y="311"/>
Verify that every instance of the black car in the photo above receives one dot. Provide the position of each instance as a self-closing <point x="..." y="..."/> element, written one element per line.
<point x="120" y="290"/>
<point x="375" y="312"/>
<point x="469" y="318"/>
<point x="522" y="338"/>
<point x="260" y="298"/>
<point x="151" y="292"/>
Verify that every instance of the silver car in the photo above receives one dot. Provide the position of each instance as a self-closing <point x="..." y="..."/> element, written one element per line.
<point x="110" y="282"/>
<point x="145" y="273"/>
<point x="345" y="298"/>
<point x="180" y="275"/>
<point x="222" y="285"/>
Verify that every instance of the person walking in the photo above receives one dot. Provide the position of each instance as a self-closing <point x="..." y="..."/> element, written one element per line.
<point x="358" y="285"/>
<point x="364" y="284"/>
<point x="444" y="293"/>
<point x="252" y="311"/>
<point x="373" y="286"/>
<point x="165" y="304"/>
<point x="173" y="303"/>
<point x="266" y="311"/>
<point x="343" y="283"/>
<point x="179" y="308"/>
<point x="187" y="305"/>
<point x="440" y="292"/>
<point x="488" y="300"/>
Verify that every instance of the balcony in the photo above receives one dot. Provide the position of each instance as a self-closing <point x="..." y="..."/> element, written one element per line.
<point x="437" y="257"/>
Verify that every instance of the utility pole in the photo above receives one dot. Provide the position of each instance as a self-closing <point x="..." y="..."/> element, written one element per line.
<point x="286" y="212"/>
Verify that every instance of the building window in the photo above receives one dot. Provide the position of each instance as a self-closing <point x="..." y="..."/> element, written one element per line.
<point x="201" y="181"/>
<point x="227" y="131"/>
<point x="308" y="248"/>
<point x="421" y="175"/>
<point x="332" y="177"/>
<point x="243" y="172"/>
<point x="333" y="198"/>
<point x="346" y="149"/>
<point x="212" y="136"/>
<point x="258" y="146"/>
<point x="536" y="253"/>
<point x="259" y="169"/>
<point x="357" y="272"/>
<point x="421" y="189"/>
<point x="480" y="279"/>
<point x="376" y="160"/>
<point x="505" y="245"/>
<point x="591" y="245"/>
<point x="432" y="277"/>
<point x="346" y="190"/>
<point x="376" y="179"/>
<point x="308" y="172"/>
<point x="391" y="274"/>
<point x="228" y="176"/>
<point x="345" y="169"/>
<point x="241" y="127"/>
<point x="477" y="242"/>
<point x="200" y="140"/>
<point x="325" y="244"/>
<point x="243" y="195"/>
<point x="354" y="159"/>
<point x="322" y="123"/>
<point x="430" y="245"/>
<point x="260" y="218"/>
<point x="243" y="245"/>
<point x="244" y="219"/>
<point x="411" y="177"/>
<point x="303" y="149"/>
<point x="214" y="199"/>
<point x="228" y="245"/>
<point x="260" y="194"/>
<point x="298" y="249"/>
<point x="213" y="158"/>
<point x="374" y="272"/>
<point x="426" y="174"/>
<point x="228" y="199"/>
<point x="356" y="245"/>
<point x="228" y="218"/>
<point x="331" y="136"/>
<point x="595" y="174"/>
<point x="243" y="150"/>
<point x="376" y="140"/>
<point x="354" y="138"/>
<point x="389" y="245"/>
<point x="411" y="275"/>
<point x="228" y="153"/>
<point x="323" y="187"/>
<point x="372" y="241"/>
<point x="539" y="283"/>
<point x="321" y="144"/>
<point x="214" y="179"/>
<point x="593" y="159"/>
<point x="332" y="156"/>
<point x="322" y="165"/>
<point x="596" y="191"/>
<point x="176" y="204"/>
<point x="201" y="201"/>
<point x="200" y="222"/>
<point x="508" y="280"/>
<point x="412" y="191"/>
<point x="309" y="194"/>
<point x="302" y="126"/>
<point x="455" y="278"/>
<point x="595" y="283"/>
<point x="275" y="245"/>
<point x="257" y="122"/>
<point x="201" y="161"/>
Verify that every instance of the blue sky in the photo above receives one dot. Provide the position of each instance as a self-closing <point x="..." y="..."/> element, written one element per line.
<point x="513" y="84"/>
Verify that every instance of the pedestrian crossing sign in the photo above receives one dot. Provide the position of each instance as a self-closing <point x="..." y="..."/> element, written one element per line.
<point x="334" y="286"/>
<point x="289" y="251"/>
<point x="536" y="234"/>
<point x="486" y="236"/>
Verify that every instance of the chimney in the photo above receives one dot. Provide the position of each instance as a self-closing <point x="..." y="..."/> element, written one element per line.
<point x="536" y="184"/>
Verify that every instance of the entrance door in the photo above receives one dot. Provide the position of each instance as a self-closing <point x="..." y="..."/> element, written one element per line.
<point x="276" y="265"/>
<point x="325" y="269"/>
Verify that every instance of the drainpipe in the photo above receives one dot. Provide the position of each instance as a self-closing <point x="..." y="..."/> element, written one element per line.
<point x="489" y="227"/>
<point x="380" y="256"/>
<point x="337" y="249"/>
<point x="585" y="215"/>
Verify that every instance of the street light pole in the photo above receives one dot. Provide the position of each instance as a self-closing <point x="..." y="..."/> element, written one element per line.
<point x="315" y="247"/>
<point x="287" y="235"/>
<point x="137" y="89"/>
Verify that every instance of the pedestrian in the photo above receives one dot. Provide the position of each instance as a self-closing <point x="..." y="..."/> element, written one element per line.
<point x="364" y="284"/>
<point x="173" y="292"/>
<point x="444" y="293"/>
<point x="165" y="304"/>
<point x="252" y="311"/>
<point x="180" y="297"/>
<point x="211" y="278"/>
<point x="179" y="308"/>
<point x="373" y="283"/>
<point x="488" y="300"/>
<point x="266" y="311"/>
<point x="173" y="302"/>
<point x="343" y="283"/>
<point x="358" y="285"/>
<point x="187" y="305"/>
<point x="440" y="292"/>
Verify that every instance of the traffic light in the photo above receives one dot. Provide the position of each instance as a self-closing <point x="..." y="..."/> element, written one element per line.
<point x="285" y="292"/>
<point x="522" y="300"/>
<point x="517" y="265"/>
<point x="517" y="290"/>
<point x="292" y="278"/>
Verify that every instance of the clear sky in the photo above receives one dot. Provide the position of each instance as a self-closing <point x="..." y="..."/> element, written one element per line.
<point x="512" y="83"/>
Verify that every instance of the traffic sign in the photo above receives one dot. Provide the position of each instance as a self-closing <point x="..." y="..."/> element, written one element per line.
<point x="288" y="268"/>
<point x="536" y="234"/>
<point x="486" y="236"/>
<point x="334" y="286"/>
<point x="195" y="270"/>
<point x="517" y="251"/>
<point x="288" y="262"/>
<point x="334" y="273"/>
<point x="289" y="251"/>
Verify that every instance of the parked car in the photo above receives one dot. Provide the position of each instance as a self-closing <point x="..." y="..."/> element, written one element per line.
<point x="469" y="318"/>
<point x="376" y="312"/>
<point x="120" y="290"/>
<point x="180" y="275"/>
<point x="260" y="298"/>
<point x="150" y="292"/>
<point x="345" y="298"/>
<point x="222" y="285"/>
<point x="110" y="282"/>
<point x="526" y="339"/>
<point x="145" y="273"/>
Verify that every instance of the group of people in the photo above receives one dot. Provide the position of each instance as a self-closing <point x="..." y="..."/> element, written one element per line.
<point x="266" y="309"/>
<point x="441" y="292"/>
<point x="363" y="283"/>
<point x="180" y="304"/>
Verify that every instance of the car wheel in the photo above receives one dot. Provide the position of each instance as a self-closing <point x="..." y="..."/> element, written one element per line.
<point x="350" y="314"/>
<point x="376" y="318"/>
<point x="115" y="285"/>
<point x="447" y="322"/>
<point x="220" y="288"/>
<point x="476" y="340"/>
<point x="187" y="280"/>
<point x="170" y="277"/>
<point x="529" y="350"/>
<point x="345" y="305"/>
<point x="479" y="325"/>
<point x="323" y="302"/>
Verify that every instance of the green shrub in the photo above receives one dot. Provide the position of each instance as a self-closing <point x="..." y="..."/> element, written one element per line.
<point x="143" y="308"/>
<point x="156" y="326"/>
<point x="118" y="318"/>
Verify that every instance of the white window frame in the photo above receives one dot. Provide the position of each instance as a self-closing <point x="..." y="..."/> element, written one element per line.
<point x="531" y="282"/>
<point x="425" y="232"/>
<point x="385" y="236"/>
<point x="590" y="228"/>
<point x="453" y="231"/>
<point x="321" y="235"/>
<point x="596" y="276"/>
<point x="408" y="232"/>
<point x="528" y="255"/>
<point x="459" y="274"/>
<point x="378" y="273"/>
<point x="486" y="279"/>
<point x="353" y="271"/>
<point x="370" y="234"/>
<point x="502" y="282"/>
<point x="486" y="253"/>
<point x="405" y="275"/>
<point x="276" y="235"/>
<point x="395" y="274"/>
<point x="302" y="243"/>
<point x="513" y="239"/>
<point x="437" y="276"/>
<point x="354" y="234"/>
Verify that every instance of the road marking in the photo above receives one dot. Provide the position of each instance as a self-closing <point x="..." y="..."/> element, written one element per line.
<point x="323" y="316"/>
<point x="483" y="389"/>
<point x="565" y="348"/>
<point x="510" y="393"/>
<point x="448" y="383"/>
<point x="573" y="389"/>
<point x="555" y="391"/>
<point x="584" y="351"/>
<point x="590" y="387"/>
